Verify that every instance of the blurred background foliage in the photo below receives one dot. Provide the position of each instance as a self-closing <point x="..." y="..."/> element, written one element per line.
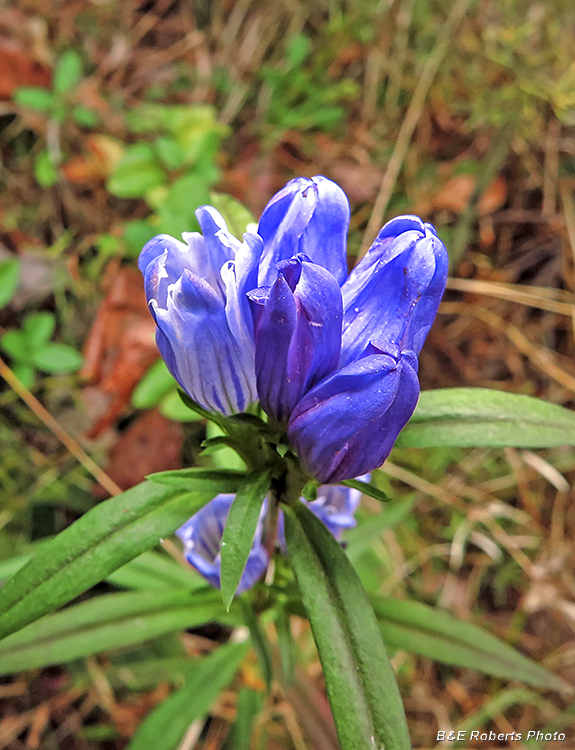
<point x="117" y="120"/>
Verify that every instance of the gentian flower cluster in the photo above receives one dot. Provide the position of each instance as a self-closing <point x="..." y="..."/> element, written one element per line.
<point x="330" y="356"/>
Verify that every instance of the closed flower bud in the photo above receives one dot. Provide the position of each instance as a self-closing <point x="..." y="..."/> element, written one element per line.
<point x="347" y="424"/>
<point x="197" y="293"/>
<point x="393" y="293"/>
<point x="309" y="216"/>
<point x="297" y="333"/>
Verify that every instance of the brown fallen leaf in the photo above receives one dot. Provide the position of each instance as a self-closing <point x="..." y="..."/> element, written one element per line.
<point x="18" y="69"/>
<point x="103" y="154"/>
<point x="456" y="194"/>
<point x="128" y="715"/>
<point x="24" y="55"/>
<point x="152" y="443"/>
<point x="119" y="349"/>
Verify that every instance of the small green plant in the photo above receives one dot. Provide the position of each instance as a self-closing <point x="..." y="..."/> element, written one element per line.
<point x="31" y="349"/>
<point x="302" y="97"/>
<point x="58" y="105"/>
<point x="173" y="173"/>
<point x="9" y="278"/>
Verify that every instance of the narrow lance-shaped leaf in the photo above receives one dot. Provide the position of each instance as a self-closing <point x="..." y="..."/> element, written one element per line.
<point x="107" y="622"/>
<point x="460" y="417"/>
<point x="165" y="726"/>
<point x="215" y="480"/>
<point x="367" y="489"/>
<point x="240" y="531"/>
<point x="150" y="570"/>
<point x="360" y="682"/>
<point x="153" y="570"/>
<point x="420" y="629"/>
<point x="98" y="543"/>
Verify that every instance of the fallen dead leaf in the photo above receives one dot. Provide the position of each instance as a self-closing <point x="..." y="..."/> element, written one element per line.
<point x="24" y="56"/>
<point x="118" y="351"/>
<point x="152" y="443"/>
<point x="18" y="69"/>
<point x="103" y="154"/>
<point x="128" y="715"/>
<point x="457" y="192"/>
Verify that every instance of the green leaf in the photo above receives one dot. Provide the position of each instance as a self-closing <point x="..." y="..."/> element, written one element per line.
<point x="415" y="627"/>
<point x="12" y="564"/>
<point x="361" y="537"/>
<point x="58" y="358"/>
<point x="367" y="489"/>
<point x="360" y="682"/>
<point x="146" y="118"/>
<point x="259" y="641"/>
<point x="45" y="171"/>
<point x="15" y="345"/>
<point x="209" y="480"/>
<point x="155" y="384"/>
<point x="35" y="98"/>
<point x="38" y="328"/>
<point x="152" y="570"/>
<point x="85" y="117"/>
<point x="240" y="531"/>
<point x="221" y="450"/>
<point x="459" y="417"/>
<point x="237" y="217"/>
<point x="137" y="172"/>
<point x="136" y="233"/>
<point x="9" y="279"/>
<point x="102" y="540"/>
<point x="172" y="407"/>
<point x="25" y="374"/>
<point x="170" y="152"/>
<point x="247" y="432"/>
<point x="298" y="50"/>
<point x="165" y="726"/>
<point x="68" y="72"/>
<point x="105" y="623"/>
<point x="176" y="212"/>
<point x="197" y="131"/>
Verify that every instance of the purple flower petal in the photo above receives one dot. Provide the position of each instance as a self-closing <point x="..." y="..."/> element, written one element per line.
<point x="348" y="423"/>
<point x="205" y="358"/>
<point x="202" y="538"/>
<point x="298" y="334"/>
<point x="308" y="216"/>
<point x="393" y="294"/>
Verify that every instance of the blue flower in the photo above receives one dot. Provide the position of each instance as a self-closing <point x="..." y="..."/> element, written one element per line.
<point x="309" y="216"/>
<point x="197" y="293"/>
<point x="335" y="506"/>
<point x="202" y="538"/>
<point x="336" y="355"/>
<point x="202" y="533"/>
<point x="298" y="324"/>
<point x="332" y="357"/>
